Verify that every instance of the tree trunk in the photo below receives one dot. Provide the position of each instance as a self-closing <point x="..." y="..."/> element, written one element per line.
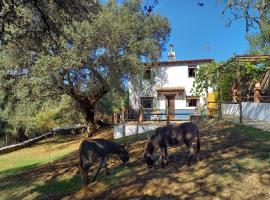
<point x="21" y="135"/>
<point x="90" y="119"/>
<point x="87" y="103"/>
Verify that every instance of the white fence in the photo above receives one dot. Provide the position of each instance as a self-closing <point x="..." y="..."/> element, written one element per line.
<point x="250" y="110"/>
<point x="132" y="129"/>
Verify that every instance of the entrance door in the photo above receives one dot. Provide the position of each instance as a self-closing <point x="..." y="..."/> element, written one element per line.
<point x="171" y="105"/>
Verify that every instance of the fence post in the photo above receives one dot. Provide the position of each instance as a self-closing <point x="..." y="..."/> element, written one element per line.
<point x="240" y="111"/>
<point x="168" y="116"/>
<point x="141" y="115"/>
<point x="124" y="126"/>
<point x="6" y="139"/>
<point x="219" y="110"/>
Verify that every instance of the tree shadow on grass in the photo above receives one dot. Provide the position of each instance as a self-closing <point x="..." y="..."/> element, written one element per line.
<point x="45" y="174"/>
<point x="223" y="171"/>
<point x="55" y="189"/>
<point x="11" y="171"/>
<point x="58" y="139"/>
<point x="227" y="159"/>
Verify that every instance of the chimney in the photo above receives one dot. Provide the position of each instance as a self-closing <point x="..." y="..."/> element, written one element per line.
<point x="171" y="54"/>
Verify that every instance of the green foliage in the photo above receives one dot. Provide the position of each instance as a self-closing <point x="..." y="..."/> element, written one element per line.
<point x="57" y="114"/>
<point x="249" y="74"/>
<point x="206" y="76"/>
<point x="84" y="53"/>
<point x="259" y="43"/>
<point x="33" y="22"/>
<point x="111" y="102"/>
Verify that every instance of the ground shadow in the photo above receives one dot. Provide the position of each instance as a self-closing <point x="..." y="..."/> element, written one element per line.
<point x="234" y="160"/>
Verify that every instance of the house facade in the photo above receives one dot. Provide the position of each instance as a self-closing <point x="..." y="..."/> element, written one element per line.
<point x="167" y="86"/>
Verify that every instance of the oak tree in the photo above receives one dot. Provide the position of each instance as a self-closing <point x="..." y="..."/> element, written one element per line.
<point x="76" y="50"/>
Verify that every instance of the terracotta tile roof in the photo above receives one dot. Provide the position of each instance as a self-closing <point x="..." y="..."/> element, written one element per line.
<point x="179" y="62"/>
<point x="170" y="89"/>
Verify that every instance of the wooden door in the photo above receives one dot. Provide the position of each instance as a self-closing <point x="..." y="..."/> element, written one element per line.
<point x="171" y="105"/>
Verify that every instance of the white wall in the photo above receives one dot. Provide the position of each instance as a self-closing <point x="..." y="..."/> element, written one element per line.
<point x="174" y="76"/>
<point x="169" y="76"/>
<point x="251" y="110"/>
<point x="230" y="109"/>
<point x="132" y="129"/>
<point x="161" y="102"/>
<point x="180" y="101"/>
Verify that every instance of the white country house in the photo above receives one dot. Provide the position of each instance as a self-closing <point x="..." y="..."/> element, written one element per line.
<point x="167" y="85"/>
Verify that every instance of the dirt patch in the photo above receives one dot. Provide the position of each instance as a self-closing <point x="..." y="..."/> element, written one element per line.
<point x="223" y="172"/>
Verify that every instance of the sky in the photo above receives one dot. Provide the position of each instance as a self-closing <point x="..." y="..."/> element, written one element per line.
<point x="200" y="32"/>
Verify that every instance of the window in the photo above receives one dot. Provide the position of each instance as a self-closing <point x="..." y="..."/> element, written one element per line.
<point x="191" y="71"/>
<point x="147" y="102"/>
<point x="147" y="74"/>
<point x="192" y="102"/>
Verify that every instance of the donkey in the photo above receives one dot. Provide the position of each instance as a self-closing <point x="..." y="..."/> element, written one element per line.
<point x="171" y="136"/>
<point x="96" y="151"/>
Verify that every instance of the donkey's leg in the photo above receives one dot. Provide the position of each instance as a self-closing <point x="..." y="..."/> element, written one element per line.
<point x="99" y="168"/>
<point x="191" y="151"/>
<point x="106" y="168"/>
<point x="84" y="174"/>
<point x="198" y="146"/>
<point x="164" y="156"/>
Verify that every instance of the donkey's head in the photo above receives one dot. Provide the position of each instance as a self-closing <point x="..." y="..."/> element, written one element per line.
<point x="123" y="154"/>
<point x="148" y="154"/>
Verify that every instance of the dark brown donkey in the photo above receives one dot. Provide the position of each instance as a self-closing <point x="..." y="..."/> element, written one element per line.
<point x="96" y="151"/>
<point x="171" y="136"/>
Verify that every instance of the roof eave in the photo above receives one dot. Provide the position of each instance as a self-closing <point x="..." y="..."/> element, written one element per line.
<point x="179" y="62"/>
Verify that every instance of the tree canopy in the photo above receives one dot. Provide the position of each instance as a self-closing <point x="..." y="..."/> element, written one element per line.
<point x="255" y="14"/>
<point x="83" y="50"/>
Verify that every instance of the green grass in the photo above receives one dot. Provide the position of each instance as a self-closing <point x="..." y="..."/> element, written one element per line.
<point x="254" y="133"/>
<point x="115" y="175"/>
<point x="36" y="155"/>
<point x="35" y="189"/>
<point x="62" y="178"/>
<point x="58" y="186"/>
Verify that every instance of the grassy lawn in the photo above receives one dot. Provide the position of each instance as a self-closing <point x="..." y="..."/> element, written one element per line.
<point x="38" y="154"/>
<point x="235" y="165"/>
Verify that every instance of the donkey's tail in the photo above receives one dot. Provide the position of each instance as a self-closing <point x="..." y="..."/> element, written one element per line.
<point x="198" y="142"/>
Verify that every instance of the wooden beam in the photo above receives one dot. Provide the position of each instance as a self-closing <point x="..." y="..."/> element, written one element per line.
<point x="254" y="56"/>
<point x="247" y="58"/>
